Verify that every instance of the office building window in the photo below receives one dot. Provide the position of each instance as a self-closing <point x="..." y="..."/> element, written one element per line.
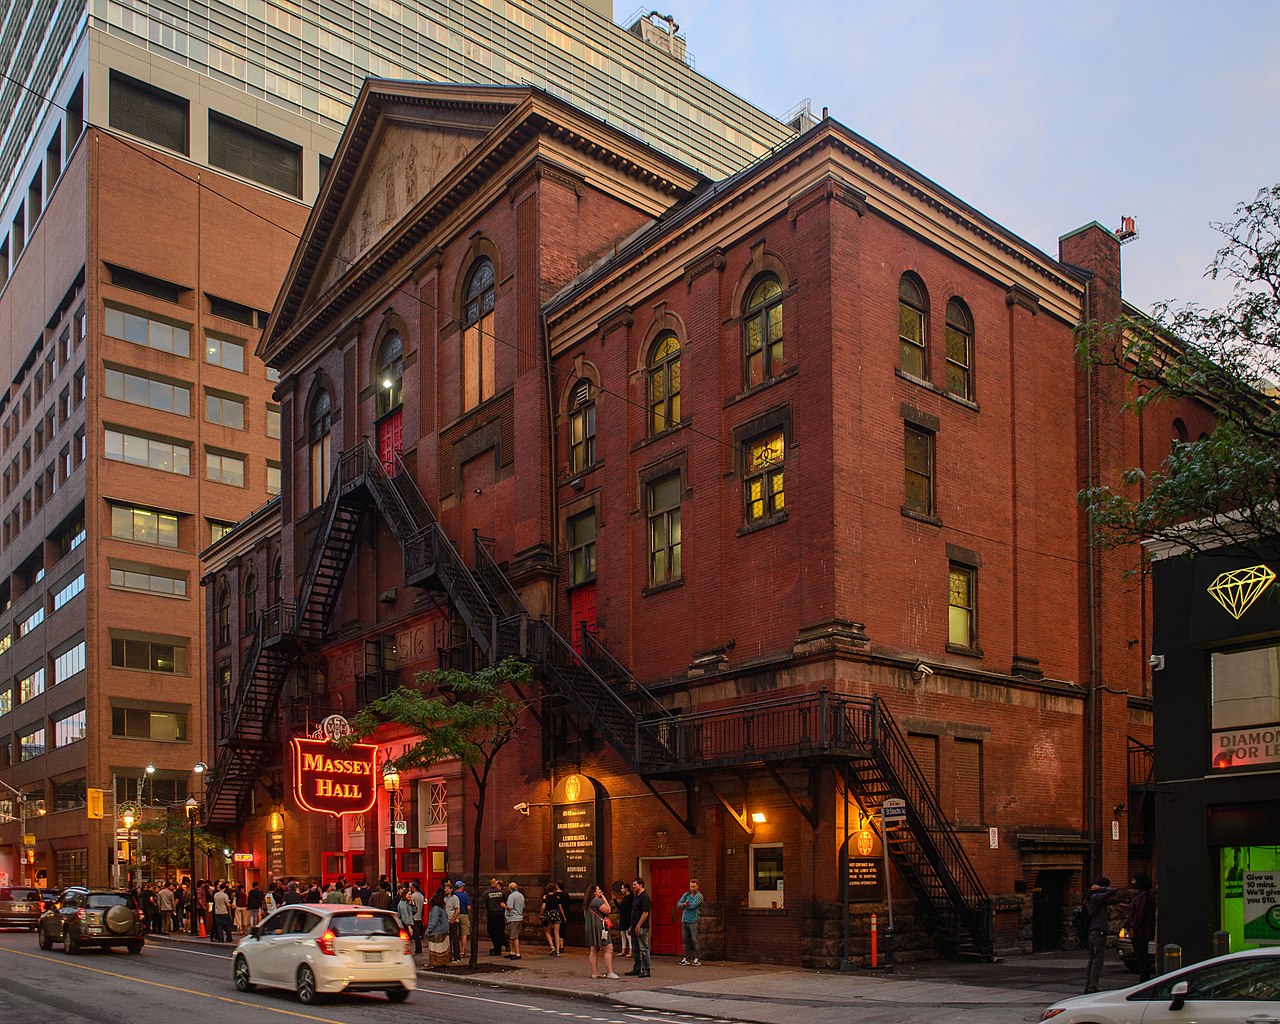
<point x="149" y="113"/>
<point x="219" y="530"/>
<point x="68" y="796"/>
<point x="962" y="623"/>
<point x="144" y="526"/>
<point x="477" y="336"/>
<point x="913" y="350"/>
<point x="255" y="154"/>
<point x="582" y="428"/>
<point x="31" y="744"/>
<point x="154" y="394"/>
<point x="225" y="469"/>
<point x="664" y="383"/>
<point x="166" y="456"/>
<point x="149" y="579"/>
<point x="273" y="422"/>
<point x="918" y="470"/>
<point x="225" y="352"/>
<point x="31" y="685"/>
<point x="68" y="663"/>
<point x="149" y="656"/>
<point x="33" y="619"/>
<point x="68" y="590"/>
<point x="273" y="478"/>
<point x="762" y="331"/>
<point x="767" y="876"/>
<point x="139" y="330"/>
<point x="225" y="410"/>
<point x="145" y="724"/>
<point x="68" y="729"/>
<point x="582" y="548"/>
<point x="664" y="529"/>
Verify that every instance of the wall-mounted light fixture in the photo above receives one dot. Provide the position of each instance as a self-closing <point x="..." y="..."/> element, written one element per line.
<point x="758" y="818"/>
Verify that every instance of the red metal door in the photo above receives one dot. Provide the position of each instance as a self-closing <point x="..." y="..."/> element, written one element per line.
<point x="333" y="866"/>
<point x="391" y="439"/>
<point x="670" y="881"/>
<point x="582" y="611"/>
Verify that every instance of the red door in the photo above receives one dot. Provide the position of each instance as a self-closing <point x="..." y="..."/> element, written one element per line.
<point x="391" y="439"/>
<point x="582" y="612"/>
<point x="333" y="866"/>
<point x="670" y="881"/>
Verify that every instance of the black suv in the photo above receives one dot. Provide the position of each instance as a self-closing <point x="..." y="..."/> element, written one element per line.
<point x="93" y="917"/>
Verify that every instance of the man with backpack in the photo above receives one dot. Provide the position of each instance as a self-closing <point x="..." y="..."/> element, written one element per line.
<point x="1095" y="905"/>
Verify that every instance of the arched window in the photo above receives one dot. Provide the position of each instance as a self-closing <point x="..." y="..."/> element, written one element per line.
<point x="222" y="616"/>
<point x="664" y="383"/>
<point x="959" y="350"/>
<point x="249" y="617"/>
<point x="762" y="331"/>
<point x="390" y="374"/>
<point x="477" y="336"/>
<point x="913" y="353"/>
<point x="273" y="582"/>
<point x="1179" y="430"/>
<point x="582" y="428"/>
<point x="321" y="439"/>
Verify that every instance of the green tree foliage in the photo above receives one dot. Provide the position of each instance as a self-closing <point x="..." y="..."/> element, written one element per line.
<point x="166" y="841"/>
<point x="467" y="716"/>
<point x="1223" y="487"/>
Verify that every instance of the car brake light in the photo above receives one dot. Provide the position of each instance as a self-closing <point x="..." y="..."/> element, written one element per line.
<point x="404" y="937"/>
<point x="325" y="943"/>
<point x="80" y="914"/>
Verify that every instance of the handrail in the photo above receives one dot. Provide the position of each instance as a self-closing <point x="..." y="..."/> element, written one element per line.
<point x="490" y="572"/>
<point x="594" y="653"/>
<point x="312" y="570"/>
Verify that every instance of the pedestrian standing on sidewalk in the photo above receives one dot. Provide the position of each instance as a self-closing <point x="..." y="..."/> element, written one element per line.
<point x="494" y="918"/>
<point x="1095" y="904"/>
<point x="1142" y="923"/>
<point x="221" y="914"/>
<point x="419" y="901"/>
<point x="549" y="918"/>
<point x="437" y="932"/>
<point x="691" y="905"/>
<point x="513" y="913"/>
<point x="641" y="911"/>
<point x="255" y="901"/>
<point x="164" y="903"/>
<point x="464" y="917"/>
<point x="453" y="907"/>
<point x="597" y="925"/>
<point x="625" y="901"/>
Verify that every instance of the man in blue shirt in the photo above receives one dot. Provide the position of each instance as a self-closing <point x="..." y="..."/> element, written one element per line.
<point x="691" y="904"/>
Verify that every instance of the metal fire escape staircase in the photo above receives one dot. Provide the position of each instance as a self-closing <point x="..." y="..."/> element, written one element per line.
<point x="859" y="737"/>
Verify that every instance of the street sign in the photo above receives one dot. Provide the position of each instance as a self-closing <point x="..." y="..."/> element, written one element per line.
<point x="402" y="827"/>
<point x="893" y="811"/>
<point x="28" y="840"/>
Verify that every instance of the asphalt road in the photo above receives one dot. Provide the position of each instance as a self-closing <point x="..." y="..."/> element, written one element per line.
<point x="172" y="983"/>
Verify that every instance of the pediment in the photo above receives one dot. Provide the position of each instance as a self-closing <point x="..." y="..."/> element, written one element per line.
<point x="405" y="161"/>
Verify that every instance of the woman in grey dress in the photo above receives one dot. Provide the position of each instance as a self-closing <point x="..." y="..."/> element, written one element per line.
<point x="596" y="911"/>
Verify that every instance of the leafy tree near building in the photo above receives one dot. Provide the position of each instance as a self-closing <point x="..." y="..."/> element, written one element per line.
<point x="1223" y="487"/>
<point x="166" y="843"/>
<point x="470" y="716"/>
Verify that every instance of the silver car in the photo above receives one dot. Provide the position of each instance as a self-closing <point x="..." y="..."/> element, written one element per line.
<point x="318" y="949"/>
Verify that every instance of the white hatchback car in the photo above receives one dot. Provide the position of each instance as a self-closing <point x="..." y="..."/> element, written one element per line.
<point x="1239" y="987"/>
<point x="319" y="949"/>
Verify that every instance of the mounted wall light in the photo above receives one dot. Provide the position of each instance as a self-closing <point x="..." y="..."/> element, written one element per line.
<point x="758" y="818"/>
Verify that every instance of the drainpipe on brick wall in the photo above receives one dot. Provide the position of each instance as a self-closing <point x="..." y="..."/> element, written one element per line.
<point x="554" y="525"/>
<point x="1092" y="703"/>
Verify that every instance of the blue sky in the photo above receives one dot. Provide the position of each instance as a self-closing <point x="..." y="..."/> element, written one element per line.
<point x="1043" y="117"/>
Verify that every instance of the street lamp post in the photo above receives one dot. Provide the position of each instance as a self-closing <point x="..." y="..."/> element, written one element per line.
<point x="391" y="782"/>
<point x="127" y="816"/>
<point x="193" y="808"/>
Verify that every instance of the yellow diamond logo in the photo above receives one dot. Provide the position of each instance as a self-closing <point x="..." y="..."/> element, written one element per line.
<point x="1237" y="590"/>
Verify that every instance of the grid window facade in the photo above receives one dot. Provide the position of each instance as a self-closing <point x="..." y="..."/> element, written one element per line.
<point x="144" y="526"/>
<point x="166" y="456"/>
<point x="68" y="663"/>
<point x="69" y="729"/>
<point x="31" y="744"/>
<point x="68" y="591"/>
<point x="153" y="394"/>
<point x="140" y="330"/>
<point x="145" y="724"/>
<point x="225" y="469"/>
<point x="154" y="581"/>
<point x="224" y="352"/>
<point x="31" y="621"/>
<point x="31" y="685"/>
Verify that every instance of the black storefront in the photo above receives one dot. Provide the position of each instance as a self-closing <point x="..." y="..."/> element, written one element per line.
<point x="1217" y="747"/>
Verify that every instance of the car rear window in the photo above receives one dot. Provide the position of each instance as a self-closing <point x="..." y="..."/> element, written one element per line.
<point x="8" y="895"/>
<point x="107" y="899"/>
<point x="364" y="924"/>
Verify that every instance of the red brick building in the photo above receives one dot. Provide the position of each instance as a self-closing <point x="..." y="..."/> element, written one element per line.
<point x="773" y="479"/>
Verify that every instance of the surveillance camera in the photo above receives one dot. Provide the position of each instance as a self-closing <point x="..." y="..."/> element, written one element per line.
<point x="522" y="807"/>
<point x="1156" y="661"/>
<point x="922" y="669"/>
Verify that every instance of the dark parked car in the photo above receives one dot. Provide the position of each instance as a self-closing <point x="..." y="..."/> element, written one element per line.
<point x="20" y="907"/>
<point x="93" y="917"/>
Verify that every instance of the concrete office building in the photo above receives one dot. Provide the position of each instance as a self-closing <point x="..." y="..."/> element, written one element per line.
<point x="157" y="167"/>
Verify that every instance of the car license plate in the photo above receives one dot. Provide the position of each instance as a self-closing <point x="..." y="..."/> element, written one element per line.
<point x="372" y="958"/>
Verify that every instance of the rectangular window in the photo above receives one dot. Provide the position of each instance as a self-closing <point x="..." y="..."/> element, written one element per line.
<point x="273" y="478"/>
<point x="1244" y="696"/>
<point x="224" y="469"/>
<point x="255" y="154"/>
<point x="31" y="621"/>
<point x="766" y="876"/>
<point x="166" y="456"/>
<point x="224" y="352"/>
<point x="273" y="422"/>
<point x="919" y="470"/>
<point x="763" y="478"/>
<point x="219" y="530"/>
<point x="150" y="580"/>
<point x="154" y="394"/>
<point x="31" y="685"/>
<point x="6" y="700"/>
<point x="961" y="606"/>
<point x="7" y="640"/>
<point x="67" y="796"/>
<point x="664" y="530"/>
<point x="140" y="330"/>
<point x="68" y="663"/>
<point x="142" y="724"/>
<point x="31" y="744"/>
<point x="227" y="411"/>
<point x="149" y="656"/>
<point x="149" y="113"/>
<point x="69" y="729"/>
<point x="582" y="548"/>
<point x="144" y="526"/>
<point x="968" y="779"/>
<point x="70" y="590"/>
<point x="582" y="436"/>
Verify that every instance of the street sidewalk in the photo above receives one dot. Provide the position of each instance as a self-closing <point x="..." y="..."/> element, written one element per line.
<point x="1014" y="989"/>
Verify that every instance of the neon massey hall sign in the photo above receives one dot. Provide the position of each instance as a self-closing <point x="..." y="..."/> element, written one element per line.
<point x="333" y="780"/>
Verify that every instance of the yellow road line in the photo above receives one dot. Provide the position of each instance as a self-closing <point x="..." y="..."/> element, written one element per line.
<point x="172" y="988"/>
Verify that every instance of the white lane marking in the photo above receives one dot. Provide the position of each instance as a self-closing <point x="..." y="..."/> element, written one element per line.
<point x="189" y="952"/>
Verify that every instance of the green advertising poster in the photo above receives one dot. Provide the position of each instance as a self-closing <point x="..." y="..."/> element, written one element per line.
<point x="1235" y="862"/>
<point x="1262" y="907"/>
